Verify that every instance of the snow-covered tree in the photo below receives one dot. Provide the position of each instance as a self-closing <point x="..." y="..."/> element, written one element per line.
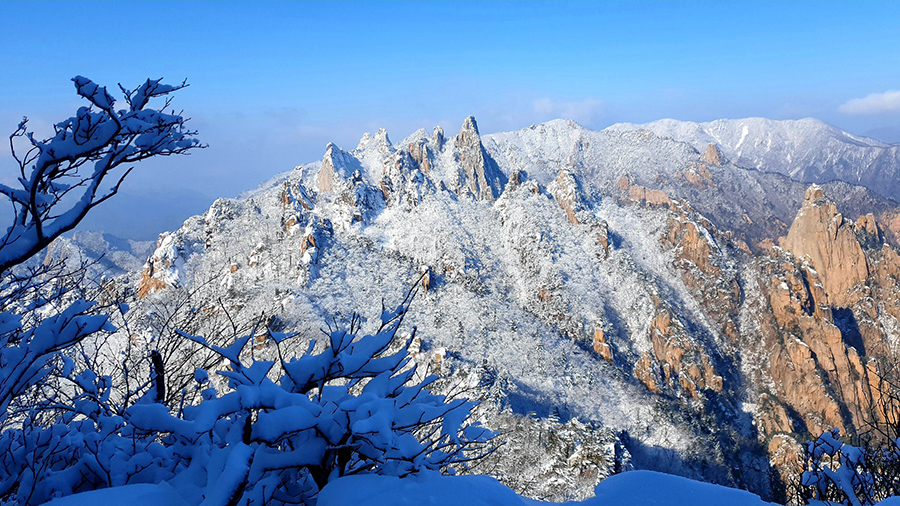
<point x="62" y="178"/>
<point x="282" y="429"/>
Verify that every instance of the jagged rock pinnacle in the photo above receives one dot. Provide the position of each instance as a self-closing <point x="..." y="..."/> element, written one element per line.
<point x="470" y="125"/>
<point x="820" y="233"/>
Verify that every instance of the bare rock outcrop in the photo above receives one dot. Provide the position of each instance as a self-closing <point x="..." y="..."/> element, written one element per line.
<point x="676" y="362"/>
<point x="815" y="374"/>
<point x="712" y="156"/>
<point x="692" y="244"/>
<point x="601" y="347"/>
<point x="156" y="273"/>
<point x="478" y="175"/>
<point x="420" y="152"/>
<point x="821" y="233"/>
<point x="644" y="196"/>
<point x="565" y="190"/>
<point x="698" y="175"/>
<point x="148" y="283"/>
<point x="703" y="270"/>
<point x="568" y="195"/>
<point x="326" y="176"/>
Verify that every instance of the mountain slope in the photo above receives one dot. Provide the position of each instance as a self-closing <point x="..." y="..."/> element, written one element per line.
<point x="807" y="150"/>
<point x="619" y="278"/>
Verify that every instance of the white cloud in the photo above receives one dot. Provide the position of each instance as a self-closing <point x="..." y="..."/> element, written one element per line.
<point x="875" y="103"/>
<point x="580" y="111"/>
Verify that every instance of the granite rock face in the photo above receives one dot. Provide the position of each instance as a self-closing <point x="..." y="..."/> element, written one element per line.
<point x="820" y="234"/>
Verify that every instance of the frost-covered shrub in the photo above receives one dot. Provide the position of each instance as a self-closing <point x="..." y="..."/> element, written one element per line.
<point x="836" y="472"/>
<point x="85" y="447"/>
<point x="348" y="409"/>
<point x="274" y="432"/>
<point x="839" y="473"/>
<point x="549" y="460"/>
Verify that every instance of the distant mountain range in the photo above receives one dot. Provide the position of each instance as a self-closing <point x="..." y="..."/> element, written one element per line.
<point x="807" y="150"/>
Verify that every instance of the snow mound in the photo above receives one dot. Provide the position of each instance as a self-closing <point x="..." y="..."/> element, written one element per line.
<point x="635" y="488"/>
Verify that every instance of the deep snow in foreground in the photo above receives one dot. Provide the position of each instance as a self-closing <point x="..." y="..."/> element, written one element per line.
<point x="635" y="488"/>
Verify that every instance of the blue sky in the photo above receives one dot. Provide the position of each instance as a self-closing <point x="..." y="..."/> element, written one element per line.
<point x="272" y="83"/>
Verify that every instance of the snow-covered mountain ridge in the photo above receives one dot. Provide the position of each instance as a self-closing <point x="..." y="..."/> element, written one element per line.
<point x="807" y="150"/>
<point x="620" y="279"/>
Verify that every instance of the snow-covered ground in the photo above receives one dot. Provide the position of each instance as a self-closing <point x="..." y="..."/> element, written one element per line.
<point x="635" y="488"/>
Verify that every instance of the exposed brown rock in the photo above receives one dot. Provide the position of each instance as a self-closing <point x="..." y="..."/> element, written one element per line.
<point x="887" y="267"/>
<point x="890" y="223"/>
<point x="426" y="279"/>
<point x="766" y="244"/>
<point x="438" y="137"/>
<point x="868" y="231"/>
<point x="157" y="263"/>
<point x="646" y="196"/>
<point x="698" y="175"/>
<point x="470" y="153"/>
<point x="601" y="347"/>
<point x="643" y="371"/>
<point x="289" y="224"/>
<point x="285" y="195"/>
<point x="325" y="177"/>
<point x="820" y="233"/>
<point x="816" y="374"/>
<point x="772" y="417"/>
<point x="292" y="194"/>
<point x="602" y="231"/>
<point x="785" y="455"/>
<point x="419" y="152"/>
<point x="675" y="362"/>
<point x="564" y="190"/>
<point x="544" y="294"/>
<point x="867" y="224"/>
<point x="691" y="244"/>
<point x="148" y="284"/>
<point x="308" y="241"/>
<point x="712" y="156"/>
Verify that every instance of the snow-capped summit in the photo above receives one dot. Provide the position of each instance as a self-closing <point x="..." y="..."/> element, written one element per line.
<point x="807" y="150"/>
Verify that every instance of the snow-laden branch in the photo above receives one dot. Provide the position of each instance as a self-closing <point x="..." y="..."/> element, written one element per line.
<point x="351" y="408"/>
<point x="67" y="175"/>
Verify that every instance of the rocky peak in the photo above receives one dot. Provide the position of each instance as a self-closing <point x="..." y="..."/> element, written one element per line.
<point x="712" y="156"/>
<point x="470" y="126"/>
<point x="565" y="190"/>
<point x="420" y="153"/>
<point x="337" y="167"/>
<point x="478" y="174"/>
<point x="379" y="142"/>
<point x="821" y="234"/>
<point x="325" y="178"/>
<point x="438" y="137"/>
<point x="869" y="232"/>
